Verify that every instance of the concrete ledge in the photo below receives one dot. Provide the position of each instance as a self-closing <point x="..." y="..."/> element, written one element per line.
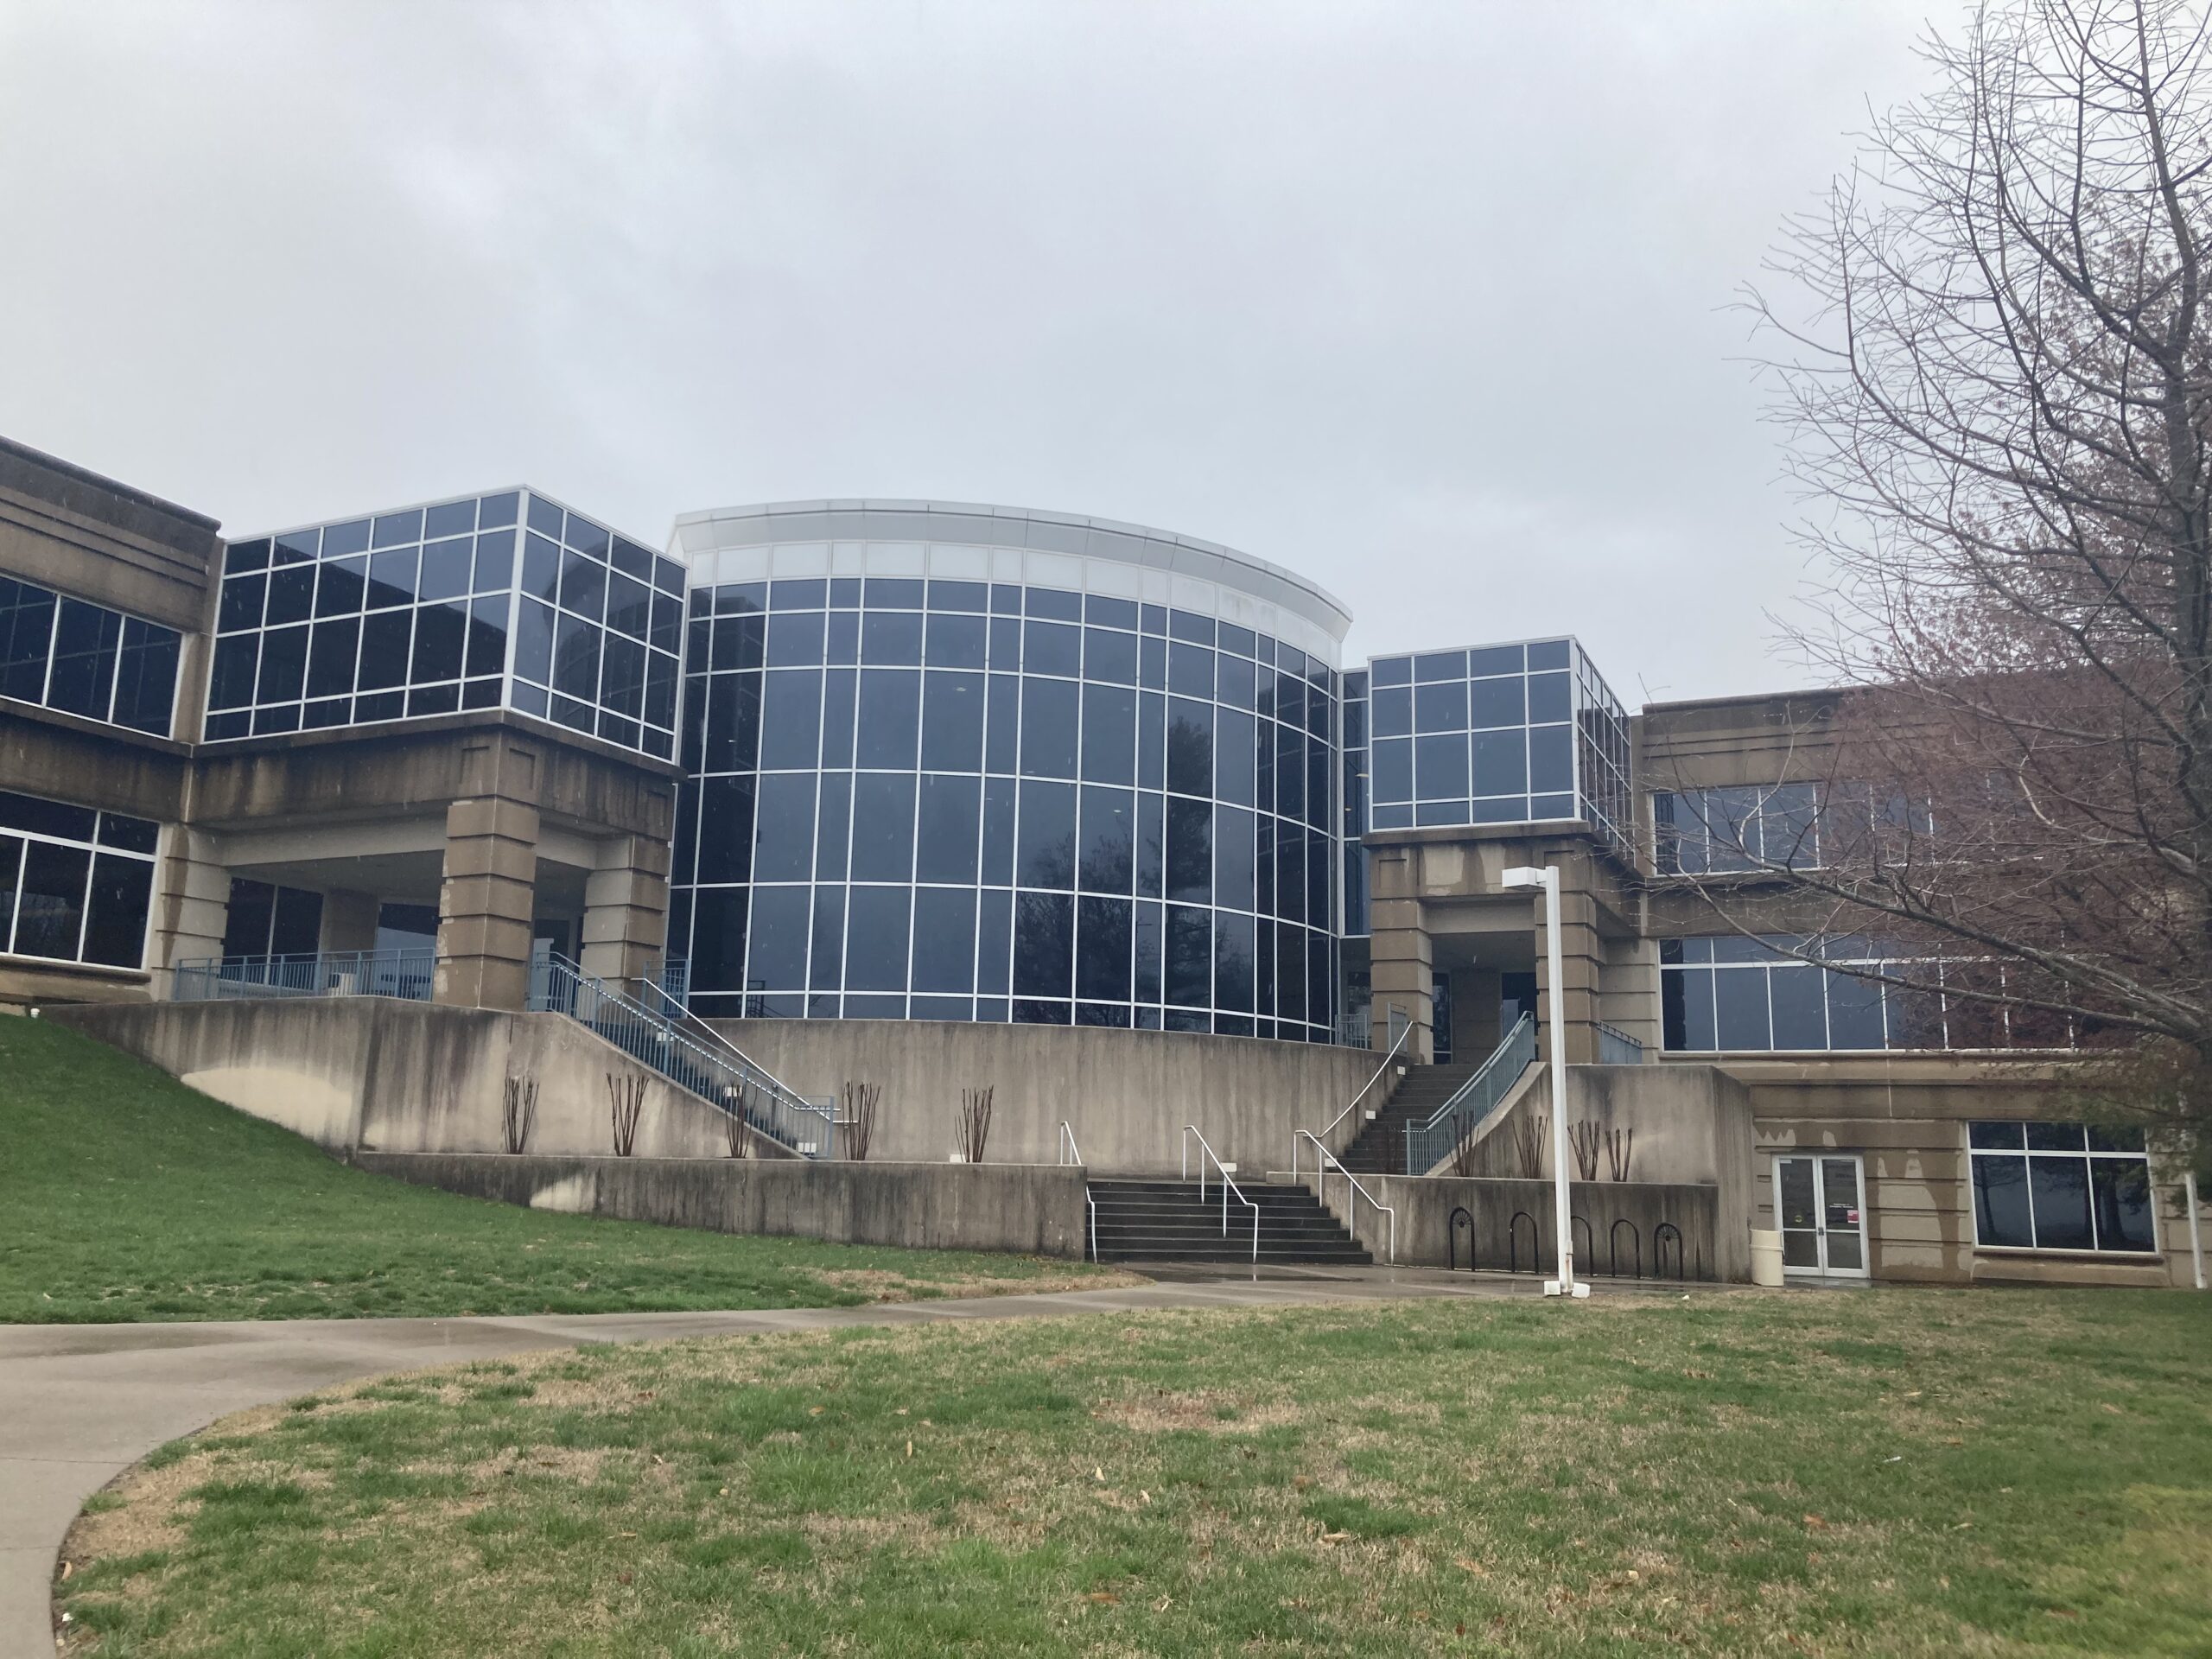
<point x="1036" y="1209"/>
<point x="1715" y="1245"/>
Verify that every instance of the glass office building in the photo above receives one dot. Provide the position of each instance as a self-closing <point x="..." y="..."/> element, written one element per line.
<point x="508" y="600"/>
<point x="971" y="763"/>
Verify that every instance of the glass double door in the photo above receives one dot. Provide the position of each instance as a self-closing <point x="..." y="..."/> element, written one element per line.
<point x="1819" y="1203"/>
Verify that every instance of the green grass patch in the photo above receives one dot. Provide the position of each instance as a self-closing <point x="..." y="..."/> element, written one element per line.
<point x="128" y="1197"/>
<point x="1890" y="1472"/>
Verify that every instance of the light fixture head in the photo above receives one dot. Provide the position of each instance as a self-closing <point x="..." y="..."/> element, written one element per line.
<point x="1525" y="876"/>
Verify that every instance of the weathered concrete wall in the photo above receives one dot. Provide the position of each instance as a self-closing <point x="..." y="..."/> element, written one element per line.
<point x="379" y="1074"/>
<point x="1906" y="1117"/>
<point x="1623" y="1217"/>
<point x="1036" y="1209"/>
<point x="1127" y="1093"/>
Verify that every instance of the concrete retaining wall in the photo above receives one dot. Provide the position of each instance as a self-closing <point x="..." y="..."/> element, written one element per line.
<point x="1127" y="1093"/>
<point x="381" y="1074"/>
<point x="1713" y="1247"/>
<point x="1038" y="1210"/>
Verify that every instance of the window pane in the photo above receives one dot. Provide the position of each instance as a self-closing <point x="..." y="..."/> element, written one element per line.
<point x="1235" y="740"/>
<point x="1441" y="708"/>
<point x="115" y="933"/>
<point x="993" y="942"/>
<point x="50" y="904"/>
<point x="1048" y="728"/>
<point x="781" y="925"/>
<point x="946" y="839"/>
<point x="718" y="938"/>
<point x="1392" y="760"/>
<point x="487" y="634"/>
<point x="2000" y="1201"/>
<point x="2060" y="1189"/>
<point x="1045" y="855"/>
<point x="145" y="691"/>
<point x="1044" y="943"/>
<point x="622" y="681"/>
<point x="998" y="830"/>
<point x="826" y="966"/>
<point x="1189" y="956"/>
<point x="1189" y="850"/>
<point x="1106" y="857"/>
<point x="791" y="718"/>
<point x="883" y="831"/>
<point x="27" y="633"/>
<point x="1740" y="999"/>
<point x="1551" y="758"/>
<point x="1854" y="1012"/>
<point x="726" y="831"/>
<point x="1497" y="703"/>
<point x="795" y="639"/>
<point x="283" y="664"/>
<point x="441" y="635"/>
<point x="1051" y="648"/>
<point x="952" y="722"/>
<point x="783" y="848"/>
<point x="1439" y="768"/>
<point x="575" y="659"/>
<point x="890" y="717"/>
<point x="1190" y="746"/>
<point x="955" y="642"/>
<point x="85" y="640"/>
<point x="2121" y="1189"/>
<point x="1800" y="1007"/>
<point x="1109" y="734"/>
<point x="1232" y="961"/>
<point x="945" y="939"/>
<point x="892" y="638"/>
<point x="1233" y="853"/>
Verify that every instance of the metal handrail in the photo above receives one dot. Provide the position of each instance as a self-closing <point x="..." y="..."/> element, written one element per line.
<point x="1228" y="1186"/>
<point x="726" y="1080"/>
<point x="1397" y="1045"/>
<point x="1616" y="1047"/>
<point x="1326" y="1160"/>
<point x="1069" y="1152"/>
<point x="674" y="1008"/>
<point x="408" y="974"/>
<point x="1489" y="1086"/>
<point x="1091" y="1200"/>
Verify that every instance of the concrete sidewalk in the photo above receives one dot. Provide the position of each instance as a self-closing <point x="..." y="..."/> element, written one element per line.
<point x="80" y="1403"/>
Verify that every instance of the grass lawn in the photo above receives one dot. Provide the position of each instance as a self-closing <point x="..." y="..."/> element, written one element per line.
<point x="124" y="1195"/>
<point x="1886" y="1472"/>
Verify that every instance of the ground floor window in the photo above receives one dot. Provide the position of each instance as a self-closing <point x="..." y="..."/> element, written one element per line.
<point x="76" y="884"/>
<point x="267" y="921"/>
<point x="2061" y="1186"/>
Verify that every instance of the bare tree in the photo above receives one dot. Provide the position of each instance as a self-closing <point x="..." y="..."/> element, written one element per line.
<point x="1999" y="403"/>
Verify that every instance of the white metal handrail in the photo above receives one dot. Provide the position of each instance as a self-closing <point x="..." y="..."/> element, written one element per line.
<point x="1397" y="1046"/>
<point x="1069" y="1152"/>
<point x="1325" y="1161"/>
<point x="1092" y="1201"/>
<point x="1228" y="1186"/>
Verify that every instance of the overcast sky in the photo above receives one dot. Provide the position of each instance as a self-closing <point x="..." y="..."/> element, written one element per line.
<point x="1427" y="302"/>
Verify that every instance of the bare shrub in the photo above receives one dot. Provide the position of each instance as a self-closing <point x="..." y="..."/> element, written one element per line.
<point x="1583" y="1138"/>
<point x="1464" y="1125"/>
<point x="626" y="1099"/>
<point x="975" y="1121"/>
<point x="518" y="1114"/>
<point x="861" y="1102"/>
<point x="735" y="1115"/>
<point x="1529" y="1139"/>
<point x="1620" y="1147"/>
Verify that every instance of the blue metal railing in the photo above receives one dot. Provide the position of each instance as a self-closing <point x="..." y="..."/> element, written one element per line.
<point x="404" y="974"/>
<point x="1617" y="1047"/>
<point x="1427" y="1144"/>
<point x="686" y="1051"/>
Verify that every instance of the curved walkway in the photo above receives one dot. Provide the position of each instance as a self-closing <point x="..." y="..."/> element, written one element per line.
<point x="80" y="1403"/>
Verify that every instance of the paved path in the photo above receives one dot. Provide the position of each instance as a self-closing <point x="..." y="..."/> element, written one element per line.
<point x="80" y="1403"/>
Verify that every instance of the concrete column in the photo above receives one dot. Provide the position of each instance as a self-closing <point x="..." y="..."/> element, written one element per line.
<point x="1582" y="957"/>
<point x="484" y="903"/>
<point x="193" y="908"/>
<point x="626" y="908"/>
<point x="349" y="920"/>
<point x="1402" y="971"/>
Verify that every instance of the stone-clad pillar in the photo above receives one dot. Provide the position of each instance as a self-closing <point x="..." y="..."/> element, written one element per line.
<point x="489" y="892"/>
<point x="1581" y="957"/>
<point x="192" y="912"/>
<point x="1401" y="954"/>
<point x="626" y="907"/>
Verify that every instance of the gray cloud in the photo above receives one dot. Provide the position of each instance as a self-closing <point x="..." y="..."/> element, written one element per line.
<point x="1425" y="302"/>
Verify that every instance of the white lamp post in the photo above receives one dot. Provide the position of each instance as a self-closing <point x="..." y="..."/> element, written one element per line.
<point x="1527" y="878"/>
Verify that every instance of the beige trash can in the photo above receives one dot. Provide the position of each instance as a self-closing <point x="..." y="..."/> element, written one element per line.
<point x="1766" y="1256"/>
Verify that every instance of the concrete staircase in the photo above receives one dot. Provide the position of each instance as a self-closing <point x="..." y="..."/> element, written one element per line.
<point x="1379" y="1148"/>
<point x="1166" y="1220"/>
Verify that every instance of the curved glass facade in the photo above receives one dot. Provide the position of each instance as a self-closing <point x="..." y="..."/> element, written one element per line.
<point x="1102" y="791"/>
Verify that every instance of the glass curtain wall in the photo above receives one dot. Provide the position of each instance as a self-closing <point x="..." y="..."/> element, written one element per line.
<point x="964" y="800"/>
<point x="506" y="600"/>
<point x="82" y="658"/>
<point x="1516" y="734"/>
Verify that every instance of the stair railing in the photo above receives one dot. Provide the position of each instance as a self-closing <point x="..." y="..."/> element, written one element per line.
<point x="1473" y="1103"/>
<point x="666" y="995"/>
<point x="1397" y="1047"/>
<point x="1228" y="1186"/>
<point x="1323" y="1161"/>
<point x="721" y="1076"/>
<point x="1069" y="1152"/>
